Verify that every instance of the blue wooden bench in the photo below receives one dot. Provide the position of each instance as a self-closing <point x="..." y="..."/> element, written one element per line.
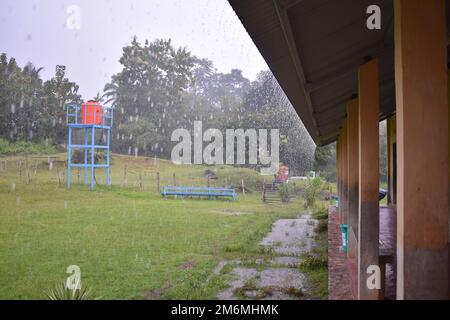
<point x="199" y="192"/>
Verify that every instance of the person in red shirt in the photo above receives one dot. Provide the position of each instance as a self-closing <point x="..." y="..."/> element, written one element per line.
<point x="282" y="174"/>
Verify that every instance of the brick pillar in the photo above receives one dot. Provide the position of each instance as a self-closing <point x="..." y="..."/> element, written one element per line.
<point x="369" y="215"/>
<point x="422" y="144"/>
<point x="353" y="172"/>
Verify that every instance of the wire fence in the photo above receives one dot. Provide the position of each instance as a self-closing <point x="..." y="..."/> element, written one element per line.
<point x="148" y="176"/>
<point x="144" y="176"/>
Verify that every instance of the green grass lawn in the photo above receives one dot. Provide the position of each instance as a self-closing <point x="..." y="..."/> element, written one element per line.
<point x="129" y="244"/>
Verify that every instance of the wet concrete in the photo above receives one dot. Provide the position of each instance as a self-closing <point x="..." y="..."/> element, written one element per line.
<point x="277" y="277"/>
<point x="271" y="283"/>
<point x="291" y="236"/>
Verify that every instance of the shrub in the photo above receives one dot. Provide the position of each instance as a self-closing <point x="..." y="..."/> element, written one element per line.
<point x="284" y="190"/>
<point x="61" y="292"/>
<point x="320" y="213"/>
<point x="25" y="147"/>
<point x="313" y="187"/>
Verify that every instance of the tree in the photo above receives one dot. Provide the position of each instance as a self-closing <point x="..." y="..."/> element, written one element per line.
<point x="56" y="93"/>
<point x="150" y="87"/>
<point x="325" y="161"/>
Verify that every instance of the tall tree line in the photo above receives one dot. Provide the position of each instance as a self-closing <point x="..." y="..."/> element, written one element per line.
<point x="31" y="109"/>
<point x="159" y="89"/>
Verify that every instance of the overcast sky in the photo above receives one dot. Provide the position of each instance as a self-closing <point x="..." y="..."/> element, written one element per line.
<point x="48" y="33"/>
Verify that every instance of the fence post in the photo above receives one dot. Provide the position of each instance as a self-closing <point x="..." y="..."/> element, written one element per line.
<point x="27" y="168"/>
<point x="264" y="191"/>
<point x="125" y="181"/>
<point x="174" y="180"/>
<point x="209" y="182"/>
<point x="243" y="187"/>
<point x="35" y="168"/>
<point x="157" y="183"/>
<point x="141" y="186"/>
<point x="58" y="175"/>
<point x="20" y="168"/>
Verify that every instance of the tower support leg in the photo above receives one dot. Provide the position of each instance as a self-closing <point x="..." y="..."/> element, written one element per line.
<point x="92" y="158"/>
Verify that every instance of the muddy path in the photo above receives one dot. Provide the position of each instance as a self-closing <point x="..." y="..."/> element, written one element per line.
<point x="278" y="276"/>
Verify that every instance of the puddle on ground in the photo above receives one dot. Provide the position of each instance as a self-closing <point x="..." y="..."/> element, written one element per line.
<point x="279" y="278"/>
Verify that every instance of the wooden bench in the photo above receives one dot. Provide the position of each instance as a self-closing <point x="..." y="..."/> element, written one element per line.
<point x="199" y="192"/>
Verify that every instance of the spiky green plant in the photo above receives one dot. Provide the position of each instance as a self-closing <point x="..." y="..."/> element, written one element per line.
<point x="313" y="187"/>
<point x="284" y="191"/>
<point x="61" y="292"/>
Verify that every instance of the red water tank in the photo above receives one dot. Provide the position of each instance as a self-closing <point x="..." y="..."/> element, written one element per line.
<point x="91" y="113"/>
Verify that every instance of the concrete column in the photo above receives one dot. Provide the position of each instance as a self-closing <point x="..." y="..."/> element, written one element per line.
<point x="448" y="245"/>
<point x="391" y="163"/>
<point x="338" y="172"/>
<point x="339" y="153"/>
<point x="344" y="175"/>
<point x="422" y="144"/>
<point x="353" y="172"/>
<point x="369" y="215"/>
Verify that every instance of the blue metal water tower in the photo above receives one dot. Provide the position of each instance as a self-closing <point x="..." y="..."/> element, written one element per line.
<point x="89" y="118"/>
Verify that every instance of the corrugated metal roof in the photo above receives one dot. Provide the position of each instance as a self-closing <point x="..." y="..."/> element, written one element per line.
<point x="314" y="49"/>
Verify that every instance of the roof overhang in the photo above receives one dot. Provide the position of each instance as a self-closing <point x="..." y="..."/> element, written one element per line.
<point x="314" y="49"/>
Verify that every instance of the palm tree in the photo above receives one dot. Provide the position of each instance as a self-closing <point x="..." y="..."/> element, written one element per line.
<point x="110" y="92"/>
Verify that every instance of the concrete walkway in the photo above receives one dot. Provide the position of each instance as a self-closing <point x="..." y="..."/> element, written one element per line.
<point x="278" y="278"/>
